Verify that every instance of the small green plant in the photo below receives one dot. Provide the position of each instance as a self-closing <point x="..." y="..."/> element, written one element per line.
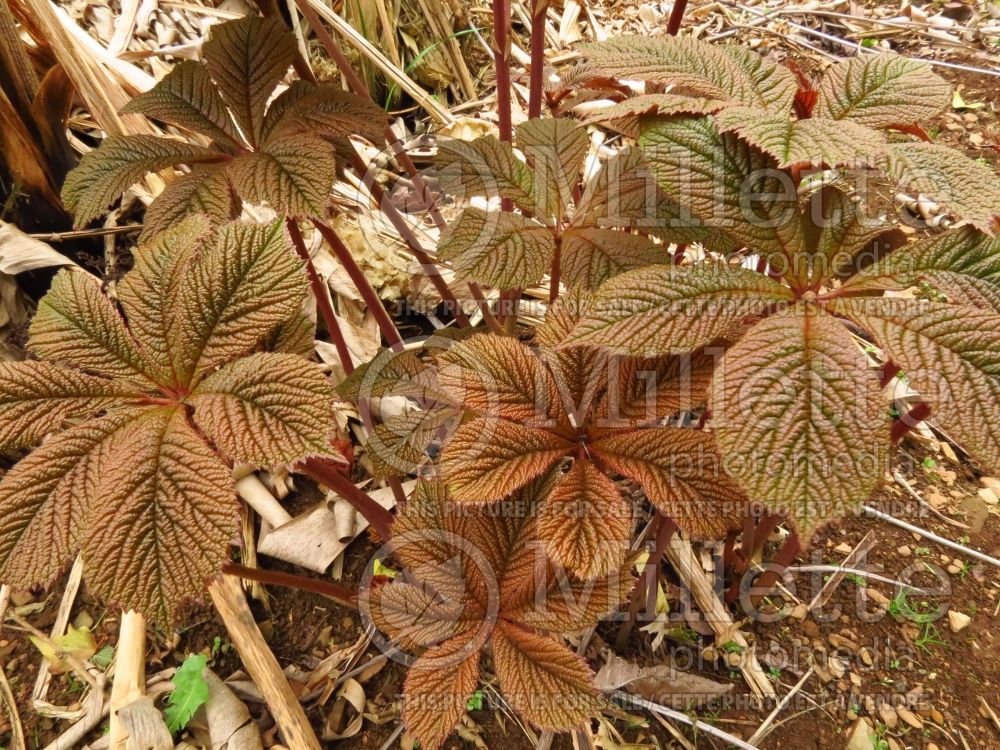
<point x="220" y="646"/>
<point x="103" y="658"/>
<point x="921" y="612"/>
<point x="475" y="702"/>
<point x="929" y="637"/>
<point x="964" y="570"/>
<point x="684" y="634"/>
<point x="76" y="644"/>
<point x="189" y="694"/>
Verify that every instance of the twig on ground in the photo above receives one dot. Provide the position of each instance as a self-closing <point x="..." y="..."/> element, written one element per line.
<point x="130" y="673"/>
<point x="674" y="732"/>
<point x="678" y="716"/>
<point x="762" y="730"/>
<point x="853" y="557"/>
<point x="4" y="603"/>
<point x="13" y="718"/>
<point x="689" y="570"/>
<point x="81" y="233"/>
<point x="78" y="667"/>
<point x="901" y="481"/>
<point x="874" y="513"/>
<point x="853" y="571"/>
<point x="96" y="707"/>
<point x="392" y="737"/>
<point x="40" y="690"/>
<point x="858" y="47"/>
<point x="261" y="664"/>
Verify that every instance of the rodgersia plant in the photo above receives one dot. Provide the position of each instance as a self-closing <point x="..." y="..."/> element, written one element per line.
<point x="796" y="409"/>
<point x="140" y="402"/>
<point x="139" y="406"/>
<point x="529" y="409"/>
<point x="476" y="581"/>
<point x="580" y="236"/>
<point x="282" y="153"/>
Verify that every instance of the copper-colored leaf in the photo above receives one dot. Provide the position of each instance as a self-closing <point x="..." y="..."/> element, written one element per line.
<point x="425" y="538"/>
<point x="389" y="373"/>
<point x="36" y="398"/>
<point x="187" y="97"/>
<point x="247" y="58"/>
<point x="325" y="110"/>
<point x="121" y="161"/>
<point x="800" y="418"/>
<point x="487" y="459"/>
<point x="398" y="446"/>
<point x="585" y="523"/>
<point x="294" y="175"/>
<point x="729" y="73"/>
<point x="414" y="616"/>
<point x="960" y="185"/>
<point x="76" y="323"/>
<point x="437" y="689"/>
<point x="267" y="409"/>
<point x="728" y="184"/>
<point x="951" y="356"/>
<point x="486" y="167"/>
<point x="579" y="372"/>
<point x="816" y="141"/>
<point x="555" y="149"/>
<point x="569" y="604"/>
<point x="497" y="377"/>
<point x="680" y="471"/>
<point x="648" y="390"/>
<point x="881" y="90"/>
<point x="592" y="255"/>
<point x="848" y="226"/>
<point x="206" y="190"/>
<point x="624" y="116"/>
<point x="498" y="248"/>
<point x="45" y="497"/>
<point x="672" y="309"/>
<point x="542" y="679"/>
<point x="158" y="532"/>
<point x="148" y="293"/>
<point x="624" y="193"/>
<point x="964" y="264"/>
<point x="297" y="335"/>
<point x="248" y="282"/>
